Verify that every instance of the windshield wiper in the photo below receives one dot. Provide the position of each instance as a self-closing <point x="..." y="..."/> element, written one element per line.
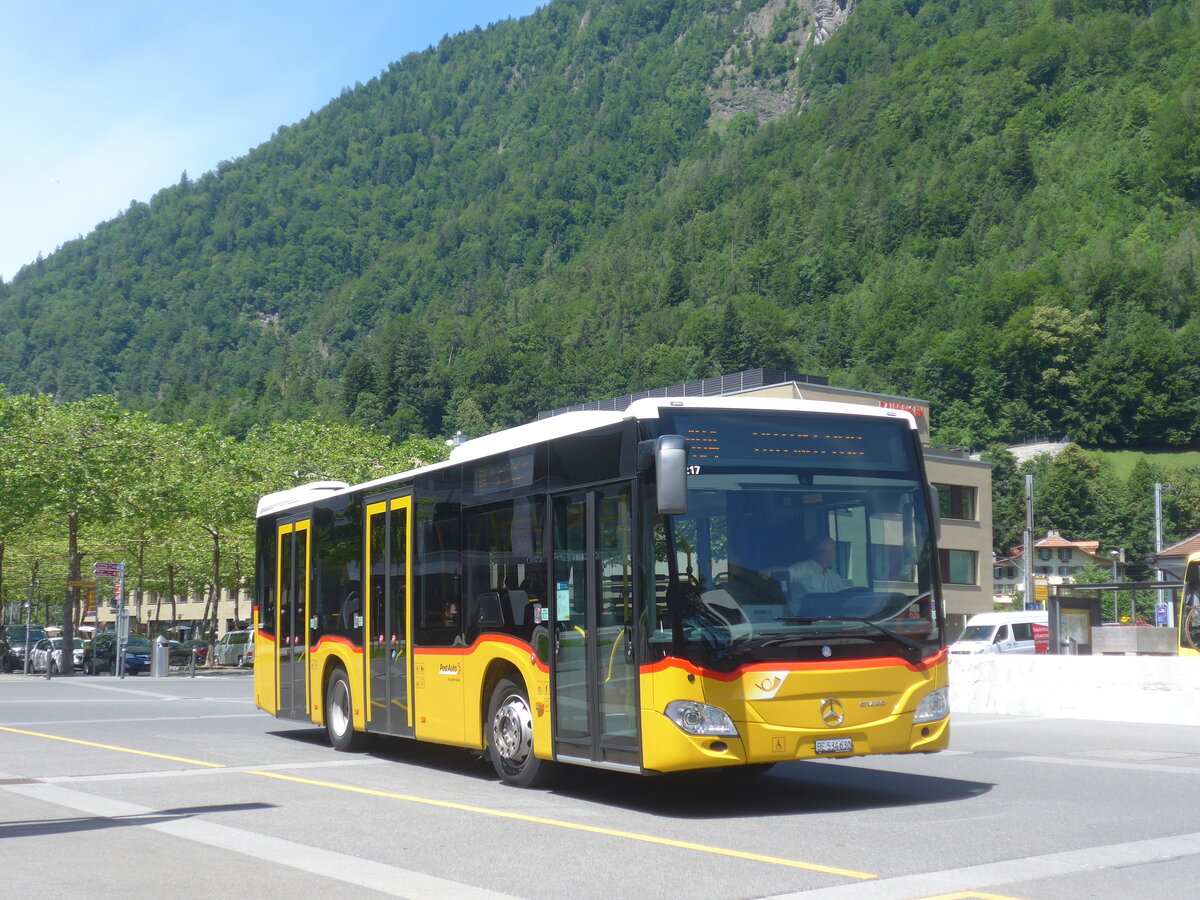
<point x="894" y="635"/>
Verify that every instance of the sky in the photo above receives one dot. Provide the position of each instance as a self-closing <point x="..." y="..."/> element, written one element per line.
<point x="104" y="102"/>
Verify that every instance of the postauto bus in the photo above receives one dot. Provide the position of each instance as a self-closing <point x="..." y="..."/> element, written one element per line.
<point x="687" y="584"/>
<point x="1189" y="609"/>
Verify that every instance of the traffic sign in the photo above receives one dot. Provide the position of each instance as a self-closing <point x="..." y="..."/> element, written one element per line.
<point x="108" y="570"/>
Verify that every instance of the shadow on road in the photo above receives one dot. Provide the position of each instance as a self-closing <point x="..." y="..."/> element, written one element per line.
<point x="45" y="827"/>
<point x="789" y="789"/>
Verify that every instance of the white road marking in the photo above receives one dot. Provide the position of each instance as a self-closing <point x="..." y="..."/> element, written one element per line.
<point x="191" y="773"/>
<point x="1013" y="871"/>
<point x="390" y="880"/>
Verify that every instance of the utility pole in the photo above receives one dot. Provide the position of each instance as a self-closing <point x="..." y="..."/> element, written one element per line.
<point x="1028" y="539"/>
<point x="1159" y="574"/>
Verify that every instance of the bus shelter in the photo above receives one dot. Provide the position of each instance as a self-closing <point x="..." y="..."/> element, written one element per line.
<point x="1075" y="612"/>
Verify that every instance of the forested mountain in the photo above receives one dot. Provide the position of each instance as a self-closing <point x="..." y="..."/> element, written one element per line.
<point x="991" y="204"/>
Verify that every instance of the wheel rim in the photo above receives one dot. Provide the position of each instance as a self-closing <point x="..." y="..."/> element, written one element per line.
<point x="512" y="730"/>
<point x="339" y="708"/>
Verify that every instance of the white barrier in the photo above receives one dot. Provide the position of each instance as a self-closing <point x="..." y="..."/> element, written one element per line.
<point x="1151" y="689"/>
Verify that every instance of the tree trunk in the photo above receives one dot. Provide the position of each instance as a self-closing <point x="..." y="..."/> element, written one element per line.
<point x="207" y="607"/>
<point x="141" y="556"/>
<point x="216" y="608"/>
<point x="70" y="598"/>
<point x="171" y="592"/>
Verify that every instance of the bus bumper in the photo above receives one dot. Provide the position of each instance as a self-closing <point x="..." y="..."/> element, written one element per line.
<point x="668" y="749"/>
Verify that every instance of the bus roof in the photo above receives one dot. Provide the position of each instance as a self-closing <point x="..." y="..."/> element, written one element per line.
<point x="569" y="423"/>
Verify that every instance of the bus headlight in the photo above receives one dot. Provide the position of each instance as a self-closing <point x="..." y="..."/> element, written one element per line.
<point x="935" y="706"/>
<point x="700" y="718"/>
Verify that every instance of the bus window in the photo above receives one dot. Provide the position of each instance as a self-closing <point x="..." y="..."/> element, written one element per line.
<point x="505" y="567"/>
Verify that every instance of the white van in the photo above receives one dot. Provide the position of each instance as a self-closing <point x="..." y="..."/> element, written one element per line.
<point x="1005" y="632"/>
<point x="236" y="648"/>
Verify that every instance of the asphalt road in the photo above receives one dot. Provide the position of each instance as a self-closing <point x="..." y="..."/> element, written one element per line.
<point x="175" y="787"/>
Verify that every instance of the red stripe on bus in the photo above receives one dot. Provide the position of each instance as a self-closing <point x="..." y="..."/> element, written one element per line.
<point x="843" y="665"/>
<point x="479" y="642"/>
<point x="337" y="639"/>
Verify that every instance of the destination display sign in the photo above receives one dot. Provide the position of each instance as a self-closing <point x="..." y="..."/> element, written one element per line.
<point x="773" y="440"/>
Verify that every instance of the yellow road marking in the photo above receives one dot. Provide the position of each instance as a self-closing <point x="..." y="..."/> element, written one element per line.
<point x="54" y="737"/>
<point x="481" y="810"/>
<point x="970" y="895"/>
<point x="593" y="829"/>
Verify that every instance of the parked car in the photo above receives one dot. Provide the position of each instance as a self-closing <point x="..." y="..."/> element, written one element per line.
<point x="180" y="652"/>
<point x="101" y="656"/>
<point x="48" y="654"/>
<point x="18" y="645"/>
<point x="235" y="648"/>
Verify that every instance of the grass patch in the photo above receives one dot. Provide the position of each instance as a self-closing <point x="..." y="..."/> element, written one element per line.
<point x="1123" y="461"/>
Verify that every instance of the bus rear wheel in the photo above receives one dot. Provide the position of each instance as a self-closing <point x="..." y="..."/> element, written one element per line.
<point x="339" y="715"/>
<point x="510" y="737"/>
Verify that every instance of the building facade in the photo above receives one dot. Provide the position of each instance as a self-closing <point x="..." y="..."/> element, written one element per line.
<point x="1055" y="560"/>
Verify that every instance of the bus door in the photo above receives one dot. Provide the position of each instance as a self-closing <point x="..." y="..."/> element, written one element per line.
<point x="388" y="675"/>
<point x="291" y="619"/>
<point x="594" y="679"/>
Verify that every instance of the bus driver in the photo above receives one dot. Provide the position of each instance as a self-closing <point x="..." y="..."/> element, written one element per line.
<point x="816" y="574"/>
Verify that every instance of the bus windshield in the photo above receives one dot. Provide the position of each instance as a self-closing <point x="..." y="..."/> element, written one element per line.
<point x="805" y="537"/>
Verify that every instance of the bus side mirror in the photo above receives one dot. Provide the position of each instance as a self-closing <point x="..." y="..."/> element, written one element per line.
<point x="935" y="511"/>
<point x="668" y="456"/>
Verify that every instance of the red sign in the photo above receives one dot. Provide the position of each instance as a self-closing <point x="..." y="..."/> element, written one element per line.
<point x="1041" y="638"/>
<point x="917" y="411"/>
<point x="108" y="570"/>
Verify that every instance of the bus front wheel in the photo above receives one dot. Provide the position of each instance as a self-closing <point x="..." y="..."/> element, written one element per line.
<point x="339" y="714"/>
<point x="510" y="737"/>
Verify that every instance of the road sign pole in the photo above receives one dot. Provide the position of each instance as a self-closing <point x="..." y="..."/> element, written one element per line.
<point x="123" y="628"/>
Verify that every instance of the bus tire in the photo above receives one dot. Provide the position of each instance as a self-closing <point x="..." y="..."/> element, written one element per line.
<point x="339" y="715"/>
<point x="510" y="737"/>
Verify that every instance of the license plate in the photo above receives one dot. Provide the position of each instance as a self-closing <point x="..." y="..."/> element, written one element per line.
<point x="835" y="745"/>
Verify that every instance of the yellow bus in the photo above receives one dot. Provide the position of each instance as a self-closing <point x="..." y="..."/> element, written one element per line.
<point x="1189" y="609"/>
<point x="688" y="583"/>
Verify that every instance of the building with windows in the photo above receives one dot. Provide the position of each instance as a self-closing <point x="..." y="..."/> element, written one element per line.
<point x="964" y="485"/>
<point x="1055" y="560"/>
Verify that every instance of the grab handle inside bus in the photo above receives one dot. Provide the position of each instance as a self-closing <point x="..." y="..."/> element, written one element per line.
<point x="668" y="454"/>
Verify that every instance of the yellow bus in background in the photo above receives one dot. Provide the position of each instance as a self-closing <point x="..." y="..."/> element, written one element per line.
<point x="1189" y="609"/>
<point x="687" y="583"/>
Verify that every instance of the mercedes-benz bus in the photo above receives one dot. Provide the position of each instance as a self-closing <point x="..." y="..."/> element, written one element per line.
<point x="1189" y="609"/>
<point x="685" y="584"/>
